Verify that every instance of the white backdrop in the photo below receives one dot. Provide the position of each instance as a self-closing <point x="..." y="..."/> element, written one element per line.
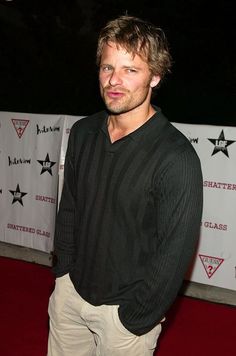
<point x="215" y="261"/>
<point x="29" y="153"/>
<point x="32" y="154"/>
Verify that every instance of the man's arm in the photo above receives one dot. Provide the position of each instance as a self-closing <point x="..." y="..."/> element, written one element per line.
<point x="64" y="231"/>
<point x="178" y="216"/>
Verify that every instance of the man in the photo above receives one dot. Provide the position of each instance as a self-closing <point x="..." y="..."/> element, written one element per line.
<point x="130" y="209"/>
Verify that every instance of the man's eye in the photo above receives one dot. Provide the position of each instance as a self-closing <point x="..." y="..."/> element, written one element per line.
<point x="106" y="68"/>
<point x="131" y="70"/>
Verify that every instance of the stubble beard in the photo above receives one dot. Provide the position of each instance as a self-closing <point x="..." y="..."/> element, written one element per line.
<point x="124" y="104"/>
<point x="116" y="106"/>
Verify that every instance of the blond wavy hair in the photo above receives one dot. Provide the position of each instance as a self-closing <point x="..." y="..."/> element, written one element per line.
<point x="138" y="37"/>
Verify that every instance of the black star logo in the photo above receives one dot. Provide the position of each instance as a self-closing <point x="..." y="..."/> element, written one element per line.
<point x="221" y="144"/>
<point x="47" y="165"/>
<point x="17" y="195"/>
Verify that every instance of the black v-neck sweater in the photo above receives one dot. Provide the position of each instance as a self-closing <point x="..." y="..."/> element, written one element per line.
<point x="129" y="217"/>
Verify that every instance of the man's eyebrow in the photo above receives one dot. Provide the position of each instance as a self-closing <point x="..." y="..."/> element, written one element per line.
<point x="130" y="66"/>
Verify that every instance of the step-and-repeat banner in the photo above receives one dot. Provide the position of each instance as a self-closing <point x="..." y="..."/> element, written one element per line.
<point x="32" y="155"/>
<point x="215" y="260"/>
<point x="32" y="152"/>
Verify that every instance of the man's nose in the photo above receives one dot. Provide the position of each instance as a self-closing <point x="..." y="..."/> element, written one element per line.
<point x="115" y="78"/>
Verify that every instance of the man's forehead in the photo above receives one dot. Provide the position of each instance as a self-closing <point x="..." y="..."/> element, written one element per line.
<point x="127" y="49"/>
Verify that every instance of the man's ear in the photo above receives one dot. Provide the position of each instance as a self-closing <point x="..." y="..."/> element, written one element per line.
<point x="155" y="80"/>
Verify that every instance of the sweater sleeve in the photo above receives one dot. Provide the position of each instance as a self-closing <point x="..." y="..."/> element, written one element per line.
<point x="64" y="246"/>
<point x="178" y="214"/>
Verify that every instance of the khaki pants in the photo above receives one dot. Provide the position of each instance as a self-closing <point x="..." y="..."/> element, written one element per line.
<point x="78" y="328"/>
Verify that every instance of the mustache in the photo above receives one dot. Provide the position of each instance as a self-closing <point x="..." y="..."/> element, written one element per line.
<point x="115" y="90"/>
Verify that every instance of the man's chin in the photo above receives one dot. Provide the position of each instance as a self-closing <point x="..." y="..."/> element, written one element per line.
<point x="116" y="109"/>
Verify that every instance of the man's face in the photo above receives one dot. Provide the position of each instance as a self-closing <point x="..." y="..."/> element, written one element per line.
<point x="125" y="81"/>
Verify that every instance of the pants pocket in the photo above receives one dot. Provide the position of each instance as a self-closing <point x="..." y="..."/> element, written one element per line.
<point x="152" y="336"/>
<point x="58" y="297"/>
<point x="118" y="323"/>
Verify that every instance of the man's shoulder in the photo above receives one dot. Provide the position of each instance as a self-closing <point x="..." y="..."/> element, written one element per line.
<point x="172" y="137"/>
<point x="178" y="140"/>
<point x="89" y="123"/>
<point x="175" y="145"/>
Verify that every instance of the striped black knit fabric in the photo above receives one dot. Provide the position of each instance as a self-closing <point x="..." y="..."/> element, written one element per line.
<point x="129" y="217"/>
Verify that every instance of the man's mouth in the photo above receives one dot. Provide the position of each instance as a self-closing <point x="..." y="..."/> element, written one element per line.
<point x="114" y="94"/>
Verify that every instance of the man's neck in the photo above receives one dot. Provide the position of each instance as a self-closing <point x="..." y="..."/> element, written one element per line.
<point x="123" y="124"/>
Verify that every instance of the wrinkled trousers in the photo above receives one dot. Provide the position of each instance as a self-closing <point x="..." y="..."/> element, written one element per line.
<point x="78" y="328"/>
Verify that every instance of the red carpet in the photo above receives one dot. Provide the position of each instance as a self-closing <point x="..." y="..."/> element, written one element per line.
<point x="193" y="327"/>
